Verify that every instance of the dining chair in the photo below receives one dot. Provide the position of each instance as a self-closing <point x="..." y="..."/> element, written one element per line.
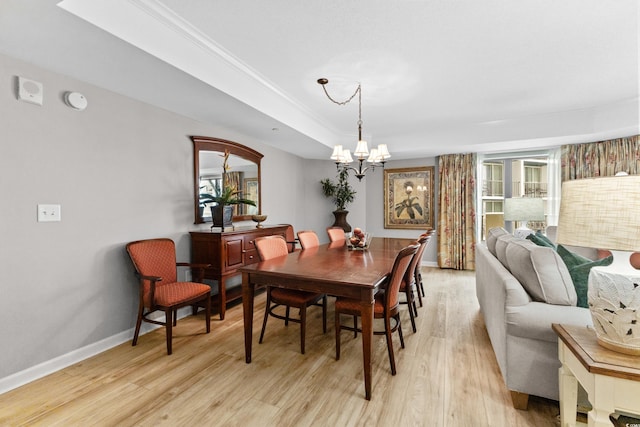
<point x="418" y="272"/>
<point x="155" y="263"/>
<point x="336" y="234"/>
<point x="270" y="247"/>
<point x="409" y="283"/>
<point x="385" y="305"/>
<point x="308" y="239"/>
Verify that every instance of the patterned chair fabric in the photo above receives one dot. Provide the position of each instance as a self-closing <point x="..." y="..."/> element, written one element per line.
<point x="155" y="264"/>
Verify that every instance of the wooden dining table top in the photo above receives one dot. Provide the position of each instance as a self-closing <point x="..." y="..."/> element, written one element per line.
<point x="335" y="266"/>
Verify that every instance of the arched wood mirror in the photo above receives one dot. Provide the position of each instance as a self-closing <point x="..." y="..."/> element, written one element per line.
<point x="244" y="171"/>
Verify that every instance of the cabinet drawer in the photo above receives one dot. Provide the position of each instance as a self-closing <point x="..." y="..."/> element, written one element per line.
<point x="251" y="257"/>
<point x="250" y="241"/>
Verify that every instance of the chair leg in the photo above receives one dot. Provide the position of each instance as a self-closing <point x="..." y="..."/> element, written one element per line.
<point x="286" y="320"/>
<point x="324" y="314"/>
<point x="338" y="329"/>
<point x="303" y="324"/>
<point x="138" y="323"/>
<point x="175" y="317"/>
<point x="397" y="317"/>
<point x="418" y="291"/>
<point x="387" y="332"/>
<point x="412" y="307"/>
<point x="267" y="308"/>
<point x="420" y="283"/>
<point x="207" y="313"/>
<point x="168" y="313"/>
<point x="355" y="326"/>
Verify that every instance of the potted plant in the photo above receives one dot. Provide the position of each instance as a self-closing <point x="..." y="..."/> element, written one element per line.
<point x="222" y="212"/>
<point x="342" y="194"/>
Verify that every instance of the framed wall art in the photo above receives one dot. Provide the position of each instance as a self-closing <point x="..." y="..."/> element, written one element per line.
<point x="408" y="197"/>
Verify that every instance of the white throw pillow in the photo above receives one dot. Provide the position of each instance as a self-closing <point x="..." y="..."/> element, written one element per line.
<point x="501" y="248"/>
<point x="542" y="273"/>
<point x="492" y="237"/>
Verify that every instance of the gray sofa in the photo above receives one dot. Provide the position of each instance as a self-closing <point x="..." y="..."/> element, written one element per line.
<point x="522" y="289"/>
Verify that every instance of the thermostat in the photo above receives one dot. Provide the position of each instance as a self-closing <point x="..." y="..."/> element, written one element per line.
<point x="75" y="100"/>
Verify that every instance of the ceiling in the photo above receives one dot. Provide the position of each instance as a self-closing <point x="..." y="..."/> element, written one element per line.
<point x="437" y="76"/>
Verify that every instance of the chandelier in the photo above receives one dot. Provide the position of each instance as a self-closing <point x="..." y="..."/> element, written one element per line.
<point x="342" y="157"/>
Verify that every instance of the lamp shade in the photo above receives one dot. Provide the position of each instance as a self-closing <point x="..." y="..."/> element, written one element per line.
<point x="601" y="213"/>
<point x="524" y="209"/>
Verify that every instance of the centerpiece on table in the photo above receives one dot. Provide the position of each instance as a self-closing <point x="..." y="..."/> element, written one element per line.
<point x="359" y="240"/>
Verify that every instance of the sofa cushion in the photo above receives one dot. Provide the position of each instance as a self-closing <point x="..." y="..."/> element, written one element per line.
<point x="541" y="272"/>
<point x="492" y="237"/>
<point x="501" y="248"/>
<point x="579" y="268"/>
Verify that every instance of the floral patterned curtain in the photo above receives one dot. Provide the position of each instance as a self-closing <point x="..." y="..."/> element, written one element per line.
<point x="604" y="158"/>
<point x="457" y="211"/>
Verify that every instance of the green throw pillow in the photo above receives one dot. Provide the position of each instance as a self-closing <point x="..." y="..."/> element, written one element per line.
<point x="579" y="268"/>
<point x="541" y="240"/>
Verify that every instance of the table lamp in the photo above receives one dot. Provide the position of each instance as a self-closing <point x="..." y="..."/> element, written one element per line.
<point x="523" y="209"/>
<point x="604" y="213"/>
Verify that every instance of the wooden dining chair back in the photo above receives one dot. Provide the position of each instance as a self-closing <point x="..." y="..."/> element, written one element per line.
<point x="336" y="234"/>
<point x="291" y="239"/>
<point x="270" y="247"/>
<point x="409" y="285"/>
<point x="155" y="263"/>
<point x="385" y="305"/>
<point x="418" y="271"/>
<point x="308" y="239"/>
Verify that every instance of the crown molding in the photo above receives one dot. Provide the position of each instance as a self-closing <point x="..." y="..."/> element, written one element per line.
<point x="155" y="28"/>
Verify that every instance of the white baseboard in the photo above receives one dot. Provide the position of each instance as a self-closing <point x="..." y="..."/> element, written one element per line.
<point x="50" y="366"/>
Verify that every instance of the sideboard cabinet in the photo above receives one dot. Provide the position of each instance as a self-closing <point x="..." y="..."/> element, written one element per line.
<point x="227" y="252"/>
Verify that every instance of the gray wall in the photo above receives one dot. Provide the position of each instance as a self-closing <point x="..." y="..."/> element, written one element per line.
<point x="122" y="171"/>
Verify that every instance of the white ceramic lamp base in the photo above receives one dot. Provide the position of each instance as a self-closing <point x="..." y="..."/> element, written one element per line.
<point x="614" y="302"/>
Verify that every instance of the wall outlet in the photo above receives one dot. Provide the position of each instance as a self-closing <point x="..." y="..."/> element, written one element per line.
<point x="49" y="213"/>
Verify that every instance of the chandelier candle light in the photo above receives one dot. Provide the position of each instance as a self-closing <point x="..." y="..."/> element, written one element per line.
<point x="342" y="157"/>
<point x="603" y="213"/>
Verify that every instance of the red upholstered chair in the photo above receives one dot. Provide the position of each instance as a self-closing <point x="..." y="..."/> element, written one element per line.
<point x="336" y="234"/>
<point x="270" y="247"/>
<point x="308" y="239"/>
<point x="155" y="264"/>
<point x="385" y="306"/>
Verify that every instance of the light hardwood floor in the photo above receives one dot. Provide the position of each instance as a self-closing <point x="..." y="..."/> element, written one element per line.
<point x="447" y="376"/>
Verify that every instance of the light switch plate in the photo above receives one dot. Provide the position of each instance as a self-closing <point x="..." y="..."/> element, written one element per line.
<point x="49" y="213"/>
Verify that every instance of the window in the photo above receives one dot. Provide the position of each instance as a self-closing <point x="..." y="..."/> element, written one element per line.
<point x="527" y="174"/>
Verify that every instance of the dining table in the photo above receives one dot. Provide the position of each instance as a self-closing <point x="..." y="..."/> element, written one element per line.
<point x="333" y="269"/>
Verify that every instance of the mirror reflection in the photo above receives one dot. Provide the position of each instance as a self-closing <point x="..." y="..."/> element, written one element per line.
<point x="242" y="174"/>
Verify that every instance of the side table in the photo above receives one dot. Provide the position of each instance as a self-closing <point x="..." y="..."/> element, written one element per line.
<point x="611" y="379"/>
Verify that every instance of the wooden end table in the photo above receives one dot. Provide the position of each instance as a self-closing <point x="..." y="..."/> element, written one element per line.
<point x="611" y="379"/>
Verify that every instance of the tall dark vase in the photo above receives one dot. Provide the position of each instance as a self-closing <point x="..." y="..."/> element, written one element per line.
<point x="222" y="216"/>
<point x="341" y="220"/>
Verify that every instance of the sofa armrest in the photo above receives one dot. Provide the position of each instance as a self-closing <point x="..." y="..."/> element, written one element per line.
<point x="533" y="321"/>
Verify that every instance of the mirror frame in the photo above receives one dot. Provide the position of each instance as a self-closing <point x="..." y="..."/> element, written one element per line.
<point x="206" y="143"/>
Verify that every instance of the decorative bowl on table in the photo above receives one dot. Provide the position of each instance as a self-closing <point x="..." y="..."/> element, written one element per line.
<point x="359" y="240"/>
<point x="258" y="219"/>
